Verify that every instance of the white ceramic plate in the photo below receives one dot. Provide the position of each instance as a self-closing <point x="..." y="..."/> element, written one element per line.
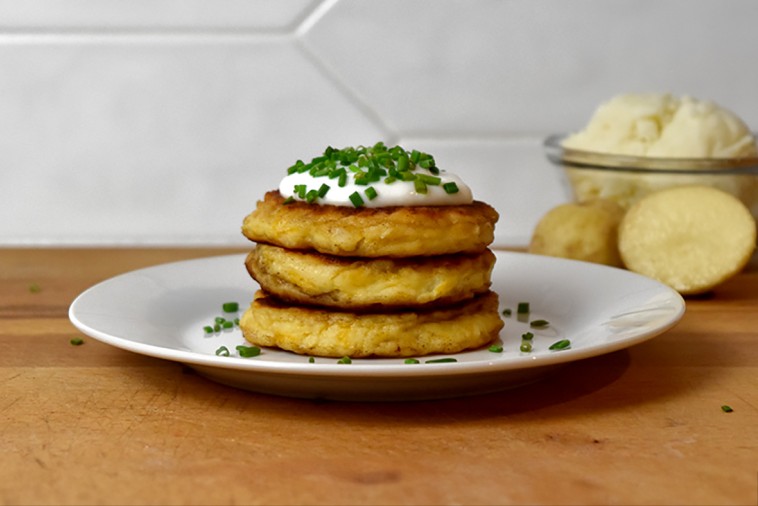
<point x="161" y="311"/>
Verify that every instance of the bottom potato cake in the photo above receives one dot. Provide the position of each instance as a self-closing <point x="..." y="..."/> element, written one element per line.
<point x="356" y="283"/>
<point x="329" y="333"/>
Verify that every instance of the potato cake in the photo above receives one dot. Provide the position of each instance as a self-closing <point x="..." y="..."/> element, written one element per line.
<point x="372" y="232"/>
<point x="355" y="283"/>
<point x="332" y="333"/>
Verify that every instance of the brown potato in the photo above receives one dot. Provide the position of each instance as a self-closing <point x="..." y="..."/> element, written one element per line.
<point x="581" y="231"/>
<point x="691" y="238"/>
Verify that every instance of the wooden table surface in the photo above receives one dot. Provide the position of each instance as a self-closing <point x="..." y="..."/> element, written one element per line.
<point x="93" y="424"/>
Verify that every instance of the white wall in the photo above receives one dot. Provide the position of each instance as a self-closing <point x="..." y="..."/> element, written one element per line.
<point x="163" y="121"/>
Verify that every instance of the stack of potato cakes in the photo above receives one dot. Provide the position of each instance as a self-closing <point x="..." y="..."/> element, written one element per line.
<point x="345" y="279"/>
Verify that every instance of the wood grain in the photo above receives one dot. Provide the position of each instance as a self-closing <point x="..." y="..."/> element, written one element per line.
<point x="92" y="424"/>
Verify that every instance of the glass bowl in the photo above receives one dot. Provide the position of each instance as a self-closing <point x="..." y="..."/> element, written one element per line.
<point x="626" y="179"/>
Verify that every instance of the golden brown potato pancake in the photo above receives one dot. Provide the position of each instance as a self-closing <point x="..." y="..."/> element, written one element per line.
<point x="372" y="232"/>
<point x="329" y="333"/>
<point x="355" y="283"/>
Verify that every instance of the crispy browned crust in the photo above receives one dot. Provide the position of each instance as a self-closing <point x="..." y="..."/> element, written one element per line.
<point x="329" y="333"/>
<point x="354" y="283"/>
<point x="372" y="232"/>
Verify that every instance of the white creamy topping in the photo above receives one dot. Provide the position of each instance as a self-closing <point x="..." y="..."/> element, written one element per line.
<point x="397" y="193"/>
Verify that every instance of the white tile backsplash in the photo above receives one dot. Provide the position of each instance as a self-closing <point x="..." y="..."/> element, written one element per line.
<point x="163" y="122"/>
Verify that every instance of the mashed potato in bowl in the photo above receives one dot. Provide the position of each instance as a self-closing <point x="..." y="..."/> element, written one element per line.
<point x="636" y="144"/>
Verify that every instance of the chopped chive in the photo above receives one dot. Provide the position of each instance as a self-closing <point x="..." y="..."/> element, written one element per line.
<point x="522" y="311"/>
<point x="419" y="186"/>
<point x="496" y="348"/>
<point x="726" y="408"/>
<point x="76" y="341"/>
<point x="436" y="171"/>
<point x="219" y="319"/>
<point x="527" y="336"/>
<point x="311" y="360"/>
<point x="390" y="179"/>
<point x="342" y="181"/>
<point x="402" y="163"/>
<point x="216" y="327"/>
<point x="230" y="307"/>
<point x="412" y="361"/>
<point x="560" y="345"/>
<point x="34" y="288"/>
<point x="526" y="347"/>
<point x="356" y="199"/>
<point x="345" y="360"/>
<point x="450" y="188"/>
<point x="208" y="329"/>
<point x="227" y="324"/>
<point x="507" y="312"/>
<point x="311" y="196"/>
<point x="248" y="351"/>
<point x="237" y="321"/>
<point x="223" y="351"/>
<point x="288" y="201"/>
<point x="323" y="190"/>
<point x="539" y="324"/>
<point x="441" y="360"/>
<point x="371" y="193"/>
<point x="431" y="180"/>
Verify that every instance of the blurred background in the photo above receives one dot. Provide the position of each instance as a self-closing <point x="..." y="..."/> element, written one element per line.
<point x="161" y="122"/>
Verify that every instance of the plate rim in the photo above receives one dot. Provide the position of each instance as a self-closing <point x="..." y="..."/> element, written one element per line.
<point x="378" y="371"/>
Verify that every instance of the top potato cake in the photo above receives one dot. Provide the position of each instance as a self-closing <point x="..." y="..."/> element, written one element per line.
<point x="372" y="232"/>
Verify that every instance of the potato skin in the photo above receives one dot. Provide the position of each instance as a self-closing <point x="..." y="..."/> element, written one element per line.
<point x="586" y="231"/>
<point x="372" y="232"/>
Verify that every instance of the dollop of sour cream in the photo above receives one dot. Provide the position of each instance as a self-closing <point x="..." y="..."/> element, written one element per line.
<point x="445" y="190"/>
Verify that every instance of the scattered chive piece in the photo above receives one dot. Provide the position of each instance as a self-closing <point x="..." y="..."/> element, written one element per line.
<point x="311" y="360"/>
<point x="208" y="329"/>
<point x="342" y="181"/>
<point x="726" y="408"/>
<point x="288" y="201"/>
<point x="76" y="341"/>
<point x="496" y="348"/>
<point x="227" y="324"/>
<point x="311" y="196"/>
<point x="526" y="347"/>
<point x="371" y="193"/>
<point x="412" y="361"/>
<point x="527" y="336"/>
<point x="507" y="312"/>
<point x="441" y="360"/>
<point x="522" y="308"/>
<point x="322" y="191"/>
<point x="223" y="351"/>
<point x="356" y="199"/>
<point x="216" y="327"/>
<point x="432" y="180"/>
<point x="450" y="188"/>
<point x="237" y="321"/>
<point x="248" y="351"/>
<point x="34" y="288"/>
<point x="219" y="319"/>
<point x="419" y="186"/>
<point x="345" y="360"/>
<point x="539" y="324"/>
<point x="560" y="345"/>
<point x="230" y="307"/>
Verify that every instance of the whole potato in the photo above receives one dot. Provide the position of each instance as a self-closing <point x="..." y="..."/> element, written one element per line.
<point x="585" y="231"/>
